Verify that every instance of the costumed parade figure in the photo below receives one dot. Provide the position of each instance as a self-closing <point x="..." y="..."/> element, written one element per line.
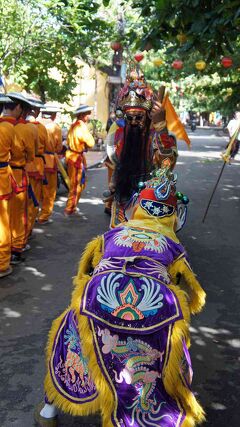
<point x="121" y="348"/>
<point x="137" y="142"/>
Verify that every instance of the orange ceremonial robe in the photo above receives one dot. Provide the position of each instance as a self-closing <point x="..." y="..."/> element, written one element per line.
<point x="6" y="146"/>
<point x="23" y="152"/>
<point x="35" y="171"/>
<point x="54" y="145"/>
<point x="79" y="140"/>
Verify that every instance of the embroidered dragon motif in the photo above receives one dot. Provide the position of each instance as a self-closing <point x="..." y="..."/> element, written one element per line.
<point x="137" y="357"/>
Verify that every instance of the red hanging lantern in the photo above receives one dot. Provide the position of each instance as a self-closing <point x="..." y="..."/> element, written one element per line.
<point x="116" y="46"/>
<point x="138" y="57"/>
<point x="177" y="64"/>
<point x="226" y="62"/>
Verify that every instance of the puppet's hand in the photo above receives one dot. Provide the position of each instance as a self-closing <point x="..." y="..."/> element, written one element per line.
<point x="158" y="113"/>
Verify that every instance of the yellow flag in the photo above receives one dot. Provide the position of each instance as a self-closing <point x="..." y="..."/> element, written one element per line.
<point x="62" y="170"/>
<point x="174" y="124"/>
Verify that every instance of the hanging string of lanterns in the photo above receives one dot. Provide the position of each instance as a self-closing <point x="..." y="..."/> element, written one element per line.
<point x="200" y="65"/>
<point x="177" y="64"/>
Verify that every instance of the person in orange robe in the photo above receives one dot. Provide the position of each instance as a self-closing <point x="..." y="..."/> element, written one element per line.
<point x="54" y="146"/>
<point x="35" y="169"/>
<point x="23" y="152"/>
<point x="79" y="140"/>
<point x="6" y="145"/>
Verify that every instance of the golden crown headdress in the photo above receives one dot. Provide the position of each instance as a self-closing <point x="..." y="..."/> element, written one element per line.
<point x="136" y="93"/>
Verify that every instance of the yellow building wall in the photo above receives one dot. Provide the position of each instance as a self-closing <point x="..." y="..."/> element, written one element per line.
<point x="92" y="89"/>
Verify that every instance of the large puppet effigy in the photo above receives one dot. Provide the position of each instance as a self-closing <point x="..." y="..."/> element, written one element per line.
<point x="121" y="347"/>
<point x="139" y="141"/>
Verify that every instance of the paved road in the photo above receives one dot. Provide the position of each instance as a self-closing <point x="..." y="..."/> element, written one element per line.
<point x="40" y="288"/>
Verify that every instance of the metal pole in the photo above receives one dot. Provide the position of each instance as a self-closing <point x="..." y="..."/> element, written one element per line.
<point x="215" y="187"/>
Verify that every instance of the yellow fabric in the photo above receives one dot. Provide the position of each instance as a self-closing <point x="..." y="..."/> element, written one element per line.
<point x="33" y="129"/>
<point x="48" y="196"/>
<point x="5" y="181"/>
<point x="50" y="163"/>
<point x="18" y="206"/>
<point x="6" y="140"/>
<point x="113" y="128"/>
<point x="171" y="372"/>
<point x="55" y="135"/>
<point x="54" y="144"/>
<point x="36" y="168"/>
<point x="79" y="138"/>
<point x="24" y="145"/>
<point x="174" y="124"/>
<point x="33" y="210"/>
<point x="5" y="235"/>
<point x="42" y="135"/>
<point x="90" y="257"/>
<point x="6" y="146"/>
<point x="62" y="171"/>
<point x="42" y="138"/>
<point x="142" y="219"/>
<point x="75" y="175"/>
<point x="190" y="284"/>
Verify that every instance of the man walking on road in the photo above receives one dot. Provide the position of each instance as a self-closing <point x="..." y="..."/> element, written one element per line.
<point x="232" y="127"/>
<point x="79" y="140"/>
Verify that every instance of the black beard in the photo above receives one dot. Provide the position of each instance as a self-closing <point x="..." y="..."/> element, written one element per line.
<point x="132" y="166"/>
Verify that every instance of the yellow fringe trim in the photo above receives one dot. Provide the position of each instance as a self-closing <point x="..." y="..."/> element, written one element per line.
<point x="90" y="257"/>
<point x="105" y="402"/>
<point x="194" y="290"/>
<point x="52" y="393"/>
<point x="171" y="373"/>
<point x="106" y="397"/>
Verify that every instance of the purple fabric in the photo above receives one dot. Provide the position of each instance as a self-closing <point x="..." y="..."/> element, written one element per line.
<point x="133" y="241"/>
<point x="68" y="367"/>
<point x="131" y="312"/>
<point x="128" y="289"/>
<point x="135" y="265"/>
<point x="141" y="305"/>
<point x="133" y="367"/>
<point x="186" y="367"/>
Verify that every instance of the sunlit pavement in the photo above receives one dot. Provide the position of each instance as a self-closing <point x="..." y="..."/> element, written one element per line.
<point x="40" y="288"/>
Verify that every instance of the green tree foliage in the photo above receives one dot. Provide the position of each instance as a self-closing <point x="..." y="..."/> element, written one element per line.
<point x="191" y="30"/>
<point x="40" y="42"/>
<point x="211" y="26"/>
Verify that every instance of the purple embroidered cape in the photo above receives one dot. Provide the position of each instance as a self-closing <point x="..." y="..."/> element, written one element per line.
<point x="131" y="312"/>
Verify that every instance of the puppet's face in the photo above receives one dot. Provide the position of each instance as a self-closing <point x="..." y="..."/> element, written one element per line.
<point x="136" y="117"/>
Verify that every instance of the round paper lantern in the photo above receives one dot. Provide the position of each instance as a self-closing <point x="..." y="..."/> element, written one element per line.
<point x="200" y="65"/>
<point x="116" y="46"/>
<point x="182" y="38"/>
<point x="177" y="64"/>
<point x="158" y="62"/>
<point x="139" y="57"/>
<point x="226" y="62"/>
